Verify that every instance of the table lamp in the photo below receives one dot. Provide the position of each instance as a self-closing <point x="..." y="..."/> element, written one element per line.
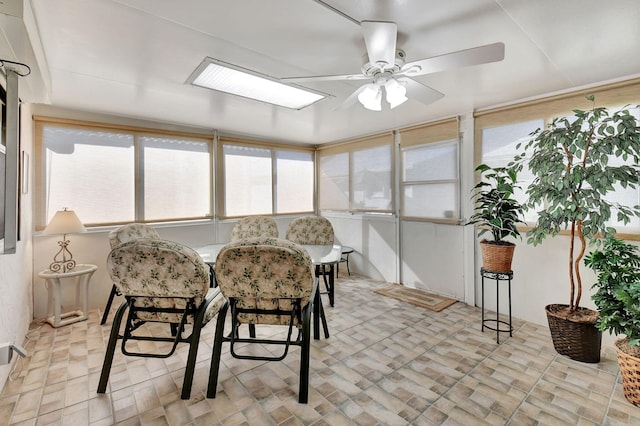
<point x="64" y="222"/>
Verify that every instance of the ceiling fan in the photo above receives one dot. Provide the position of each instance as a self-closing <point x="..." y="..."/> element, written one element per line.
<point x="387" y="68"/>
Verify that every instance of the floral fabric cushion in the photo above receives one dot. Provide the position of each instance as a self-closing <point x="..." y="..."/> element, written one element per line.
<point x="254" y="226"/>
<point x="161" y="274"/>
<point x="265" y="273"/>
<point x="310" y="230"/>
<point x="130" y="232"/>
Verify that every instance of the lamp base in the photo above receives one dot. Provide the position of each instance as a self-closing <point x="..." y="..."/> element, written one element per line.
<point x="66" y="263"/>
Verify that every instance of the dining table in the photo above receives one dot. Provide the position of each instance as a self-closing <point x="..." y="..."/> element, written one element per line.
<point x="322" y="256"/>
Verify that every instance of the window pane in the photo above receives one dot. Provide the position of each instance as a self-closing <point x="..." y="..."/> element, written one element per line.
<point x="499" y="148"/>
<point x="438" y="161"/>
<point x="294" y="186"/>
<point x="247" y="177"/>
<point x="438" y="200"/>
<point x="177" y="179"/>
<point x="91" y="172"/>
<point x="334" y="182"/>
<point x="430" y="181"/>
<point x="372" y="179"/>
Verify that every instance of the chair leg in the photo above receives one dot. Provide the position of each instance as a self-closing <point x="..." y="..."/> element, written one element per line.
<point x="323" y="318"/>
<point x="303" y="391"/>
<point x="332" y="283"/>
<point x="217" y="351"/>
<point x="111" y="347"/>
<point x="194" y="342"/>
<point x="252" y="331"/>
<point x="105" y="314"/>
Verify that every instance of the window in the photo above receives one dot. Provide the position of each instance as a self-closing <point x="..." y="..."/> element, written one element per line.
<point x="430" y="180"/>
<point x="499" y="148"/>
<point x="188" y="182"/>
<point x="94" y="172"/>
<point x="372" y="179"/>
<point x="261" y="180"/>
<point x="499" y="131"/>
<point x="357" y="176"/>
<point x="430" y="184"/>
<point x="334" y="182"/>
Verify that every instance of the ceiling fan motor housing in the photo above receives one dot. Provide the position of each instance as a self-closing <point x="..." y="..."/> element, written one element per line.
<point x="373" y="70"/>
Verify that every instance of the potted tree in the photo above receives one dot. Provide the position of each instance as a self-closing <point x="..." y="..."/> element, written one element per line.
<point x="617" y="297"/>
<point x="573" y="168"/>
<point x="496" y="212"/>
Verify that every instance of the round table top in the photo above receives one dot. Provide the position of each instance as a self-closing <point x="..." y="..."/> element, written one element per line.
<point x="347" y="249"/>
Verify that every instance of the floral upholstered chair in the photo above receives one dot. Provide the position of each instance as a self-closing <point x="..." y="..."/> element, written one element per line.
<point x="266" y="281"/>
<point x="124" y="234"/>
<point x="310" y="230"/>
<point x="254" y="226"/>
<point x="166" y="282"/>
<point x="314" y="230"/>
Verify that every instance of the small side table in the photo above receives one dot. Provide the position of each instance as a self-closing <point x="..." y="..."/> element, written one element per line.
<point x="497" y="277"/>
<point x="53" y="280"/>
<point x="344" y="258"/>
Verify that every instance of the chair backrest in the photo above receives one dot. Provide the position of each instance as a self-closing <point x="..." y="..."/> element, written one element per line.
<point x="310" y="230"/>
<point x="265" y="273"/>
<point x="130" y="232"/>
<point x="159" y="273"/>
<point x="254" y="226"/>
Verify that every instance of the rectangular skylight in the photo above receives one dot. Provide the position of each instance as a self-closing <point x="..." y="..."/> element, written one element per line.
<point x="223" y="77"/>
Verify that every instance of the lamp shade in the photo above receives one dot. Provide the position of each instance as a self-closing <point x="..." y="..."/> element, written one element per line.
<point x="64" y="222"/>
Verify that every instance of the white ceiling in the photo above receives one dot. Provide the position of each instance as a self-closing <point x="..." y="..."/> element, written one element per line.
<point x="132" y="57"/>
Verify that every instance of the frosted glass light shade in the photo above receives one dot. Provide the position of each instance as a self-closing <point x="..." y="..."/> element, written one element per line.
<point x="371" y="97"/>
<point x="395" y="93"/>
<point x="64" y="222"/>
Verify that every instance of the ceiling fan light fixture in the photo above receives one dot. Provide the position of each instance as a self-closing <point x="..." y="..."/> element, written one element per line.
<point x="371" y="97"/>
<point x="396" y="93"/>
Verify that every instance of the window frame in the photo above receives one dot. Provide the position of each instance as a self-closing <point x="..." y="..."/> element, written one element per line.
<point x="611" y="95"/>
<point x="40" y="122"/>
<point x="273" y="148"/>
<point x="437" y="132"/>
<point x="349" y="147"/>
<point x="455" y="181"/>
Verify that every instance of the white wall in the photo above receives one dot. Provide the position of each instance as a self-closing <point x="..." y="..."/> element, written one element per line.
<point x="432" y="258"/>
<point x="373" y="239"/>
<point x="15" y="269"/>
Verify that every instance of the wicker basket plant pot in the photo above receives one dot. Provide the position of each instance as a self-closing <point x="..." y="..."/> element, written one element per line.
<point x="497" y="256"/>
<point x="576" y="335"/>
<point x="629" y="364"/>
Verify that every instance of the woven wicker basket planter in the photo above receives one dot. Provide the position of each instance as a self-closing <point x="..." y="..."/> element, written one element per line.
<point x="496" y="257"/>
<point x="630" y="371"/>
<point x="580" y="341"/>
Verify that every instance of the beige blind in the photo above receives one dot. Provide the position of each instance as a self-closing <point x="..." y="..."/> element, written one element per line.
<point x="270" y="145"/>
<point x="437" y="131"/>
<point x="356" y="144"/>
<point x="609" y="95"/>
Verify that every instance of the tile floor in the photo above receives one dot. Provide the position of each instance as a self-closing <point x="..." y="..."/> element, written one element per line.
<point x="386" y="363"/>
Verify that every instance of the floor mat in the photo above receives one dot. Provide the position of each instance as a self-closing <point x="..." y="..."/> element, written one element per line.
<point x="416" y="297"/>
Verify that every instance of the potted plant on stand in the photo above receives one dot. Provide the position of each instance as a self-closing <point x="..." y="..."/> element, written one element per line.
<point x="496" y="212"/>
<point x="574" y="168"/>
<point x="617" y="297"/>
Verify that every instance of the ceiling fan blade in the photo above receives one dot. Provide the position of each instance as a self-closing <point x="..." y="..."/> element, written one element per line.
<point x="462" y="58"/>
<point x="419" y="92"/>
<point x="380" y="39"/>
<point x="326" y="78"/>
<point x="351" y="100"/>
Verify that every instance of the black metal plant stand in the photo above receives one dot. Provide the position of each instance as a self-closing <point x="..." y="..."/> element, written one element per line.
<point x="496" y="322"/>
